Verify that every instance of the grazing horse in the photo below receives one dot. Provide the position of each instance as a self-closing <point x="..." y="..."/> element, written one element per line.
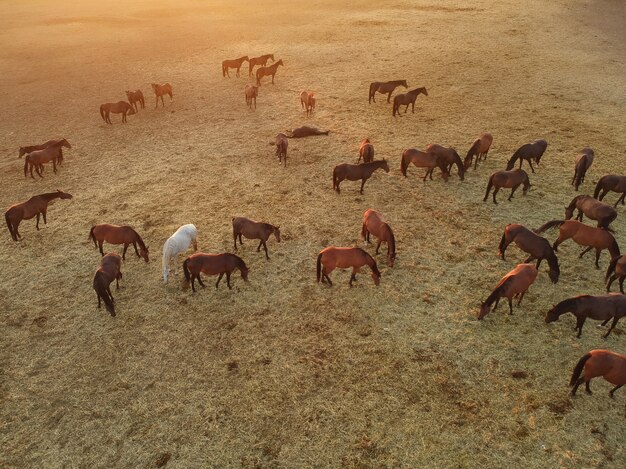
<point x="307" y="101"/>
<point x="406" y="99"/>
<point x="603" y="213"/>
<point x="304" y="131"/>
<point x="115" y="234"/>
<point x="601" y="308"/>
<point x="536" y="246"/>
<point x="515" y="283"/>
<point x="281" y="143"/>
<point x="450" y="156"/>
<point x="332" y="258"/>
<point x="354" y="172"/>
<point x="366" y="151"/>
<point x="422" y="159"/>
<point x="261" y="60"/>
<point x="617" y="267"/>
<point x="267" y="71"/>
<point x="235" y="63"/>
<point x="176" y="244"/>
<point x="254" y="230"/>
<point x="610" y="365"/>
<point x="160" y="91"/>
<point x="375" y="223"/>
<point x="59" y="143"/>
<point x="611" y="182"/>
<point x="251" y="93"/>
<point x="36" y="159"/>
<point x="385" y="87"/>
<point x="35" y="206"/>
<point x="583" y="235"/>
<point x="109" y="270"/>
<point x="529" y="152"/>
<point x="212" y="264"/>
<point x="508" y="179"/>
<point x="583" y="162"/>
<point x="121" y="107"/>
<point x="135" y="97"/>
<point x="479" y="149"/>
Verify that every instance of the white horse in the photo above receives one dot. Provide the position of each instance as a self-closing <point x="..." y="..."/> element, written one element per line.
<point x="177" y="243"/>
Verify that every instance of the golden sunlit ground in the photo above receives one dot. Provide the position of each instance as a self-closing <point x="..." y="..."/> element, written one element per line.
<point x="283" y="372"/>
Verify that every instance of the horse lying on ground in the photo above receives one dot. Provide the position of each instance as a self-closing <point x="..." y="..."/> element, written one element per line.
<point x="304" y="131"/>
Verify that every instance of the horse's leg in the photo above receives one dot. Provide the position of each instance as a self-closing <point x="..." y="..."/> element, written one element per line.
<point x="580" y="322"/>
<point x="378" y="245"/>
<point x="235" y="239"/>
<point x="614" y="389"/>
<point x="135" y="246"/>
<point x="124" y="253"/>
<point x="585" y="252"/>
<point x="273" y="77"/>
<point x="621" y="199"/>
<point x="163" y="105"/>
<point x="363" y="184"/>
<point x="39" y="169"/>
<point x="157" y="107"/>
<point x="228" y="280"/>
<point x="611" y="280"/>
<point x="200" y="280"/>
<point x="495" y="191"/>
<point x="587" y="388"/>
<point x="37" y="224"/>
<point x="265" y="247"/>
<point x="605" y="322"/>
<point x="621" y="284"/>
<point x="530" y="259"/>
<point x="218" y="279"/>
<point x="530" y="162"/>
<point x="406" y="108"/>
<point x="54" y="165"/>
<point x="579" y="216"/>
<point x="510" y="305"/>
<point x="496" y="304"/>
<point x="519" y="302"/>
<point x="578" y="382"/>
<point x="43" y="213"/>
<point x="100" y="243"/>
<point x="193" y="283"/>
<point x="413" y="107"/>
<point x="598" y="251"/>
<point x="512" y="192"/>
<point x="99" y="305"/>
<point x="604" y="192"/>
<point x="388" y="96"/>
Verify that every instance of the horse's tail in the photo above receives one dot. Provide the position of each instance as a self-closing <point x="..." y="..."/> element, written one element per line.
<point x="611" y="268"/>
<point x="102" y="112"/>
<point x="502" y="245"/>
<point x="92" y="236"/>
<point x="9" y="226"/>
<point x="511" y="163"/>
<point x="26" y="161"/>
<point x="549" y="225"/>
<point x="598" y="188"/>
<point x="404" y="165"/>
<point x="187" y="274"/>
<point x="489" y="186"/>
<point x="166" y="255"/>
<point x="578" y="369"/>
<point x="319" y="267"/>
<point x="99" y="285"/>
<point x="372" y="91"/>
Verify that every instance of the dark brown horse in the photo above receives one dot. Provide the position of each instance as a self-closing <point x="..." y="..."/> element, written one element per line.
<point x="305" y="131"/>
<point x="60" y="143"/>
<point x="603" y="213"/>
<point x="235" y="63"/>
<point x="529" y="152"/>
<point x="617" y="267"/>
<point x="135" y="97"/>
<point x="611" y="182"/>
<point x="366" y="151"/>
<point x="254" y="230"/>
<point x="162" y="90"/>
<point x="610" y="365"/>
<point x="583" y="162"/>
<point x="35" y="206"/>
<point x="121" y="107"/>
<point x="385" y="87"/>
<point x="267" y="71"/>
<point x="109" y="270"/>
<point x="450" y="156"/>
<point x="479" y="149"/>
<point x="115" y="234"/>
<point x="261" y="60"/>
<point x="509" y="179"/>
<point x="212" y="264"/>
<point x="601" y="308"/>
<point x="354" y="172"/>
<point x="404" y="99"/>
<point x="332" y="258"/>
<point x="514" y="284"/>
<point x="374" y="223"/>
<point x="422" y="159"/>
<point x="282" y="144"/>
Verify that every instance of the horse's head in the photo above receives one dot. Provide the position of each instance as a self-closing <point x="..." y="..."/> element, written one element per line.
<point x="527" y="186"/>
<point x="280" y="62"/>
<point x="551" y="315"/>
<point x="143" y="253"/>
<point x="64" y="195"/>
<point x="154" y="86"/>
<point x="271" y="56"/>
<point x="554" y="276"/>
<point x="459" y="163"/>
<point x="385" y="165"/>
<point x="484" y="309"/>
<point x="129" y="94"/>
<point x="245" y="57"/>
<point x="131" y="110"/>
<point x="65" y="143"/>
<point x="424" y="91"/>
<point x="244" y="272"/>
<point x="569" y="212"/>
<point x="22" y="152"/>
<point x="404" y="83"/>
<point x="391" y="259"/>
<point x="276" y="231"/>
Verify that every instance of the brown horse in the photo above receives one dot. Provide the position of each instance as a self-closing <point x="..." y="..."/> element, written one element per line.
<point x="529" y="152"/>
<point x="536" y="246"/>
<point x="60" y="143"/>
<point x="212" y="264"/>
<point x="406" y="99"/>
<point x="261" y="60"/>
<point x="515" y="283"/>
<point x="251" y="93"/>
<point x="267" y="71"/>
<point x="450" y="156"/>
<point x="332" y="258"/>
<point x="508" y="179"/>
<point x="479" y="149"/>
<point x="583" y="162"/>
<point x="610" y="365"/>
<point x="385" y="87"/>
<point x="115" y="234"/>
<point x="375" y="223"/>
<point x="35" y="206"/>
<point x="121" y="107"/>
<point x="583" y="235"/>
<point x="254" y="230"/>
<point x="611" y="182"/>
<point x="601" y="308"/>
<point x="135" y="97"/>
<point x="36" y="159"/>
<point x="604" y="214"/>
<point x="307" y="101"/>
<point x="235" y="63"/>
<point x="160" y="91"/>
<point x="281" y="143"/>
<point x="304" y="131"/>
<point x="424" y="160"/>
<point x="617" y="267"/>
<point x="354" y="172"/>
<point x="109" y="270"/>
<point x="366" y="151"/>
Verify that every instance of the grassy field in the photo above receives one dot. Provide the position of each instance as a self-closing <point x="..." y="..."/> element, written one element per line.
<point x="283" y="372"/>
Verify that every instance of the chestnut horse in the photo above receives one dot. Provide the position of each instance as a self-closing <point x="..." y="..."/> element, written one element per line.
<point x="601" y="308"/>
<point x="479" y="149"/>
<point x="536" y="246"/>
<point x="261" y="60"/>
<point x="450" y="156"/>
<point x="583" y="235"/>
<point x="603" y="213"/>
<point x="424" y="160"/>
<point x="515" y="283"/>
<point x="254" y="230"/>
<point x="267" y="71"/>
<point x="366" y="151"/>
<point x="35" y="206"/>
<point x="115" y="234"/>
<point x="251" y="93"/>
<point x="583" y="163"/>
<point x="235" y="63"/>
<point x="509" y="179"/>
<point x="385" y="87"/>
<point x="354" y="172"/>
<point x="617" y="267"/>
<point x="529" y="152"/>
<point x="610" y="365"/>
<point x="212" y="264"/>
<point x="60" y="143"/>
<point x="406" y="99"/>
<point x="109" y="270"/>
<point x="307" y="101"/>
<point x="281" y="143"/>
<point x="611" y="182"/>
<point x="160" y="91"/>
<point x="36" y="159"/>
<point x="135" y="97"/>
<point x="375" y="223"/>
<point x="121" y="107"/>
<point x="332" y="258"/>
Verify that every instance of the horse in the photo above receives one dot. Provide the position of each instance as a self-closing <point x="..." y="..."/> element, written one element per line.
<point x="109" y="270"/>
<point x="385" y="87"/>
<point x="332" y="258"/>
<point x="267" y="71"/>
<point x="374" y="223"/>
<point x="514" y="284"/>
<point x="281" y="143"/>
<point x="35" y="206"/>
<point x="366" y="151"/>
<point x="121" y="107"/>
<point x="406" y="99"/>
<point x="304" y="131"/>
<point x="479" y="149"/>
<point x="508" y="179"/>
<point x="603" y="213"/>
<point x="583" y="235"/>
<point x="601" y="308"/>
<point x="115" y="234"/>
<point x="59" y="143"/>
<point x="536" y="246"/>
<point x="307" y="101"/>
<point x="450" y="156"/>
<point x="251" y="93"/>
<point x="424" y="160"/>
<point x="36" y="159"/>
<point x="529" y="152"/>
<point x="261" y="60"/>
<point x="354" y="172"/>
<point x="235" y="63"/>
<point x="135" y="97"/>
<point x="254" y="230"/>
<point x="583" y="162"/>
<point x="179" y="242"/>
<point x="610" y="365"/>
<point x="611" y="182"/>
<point x="212" y="264"/>
<point x="160" y="91"/>
<point x="617" y="267"/>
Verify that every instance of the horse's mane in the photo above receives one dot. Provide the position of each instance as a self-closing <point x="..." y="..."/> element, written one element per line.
<point x="392" y="240"/>
<point x="499" y="289"/>
<point x="139" y="240"/>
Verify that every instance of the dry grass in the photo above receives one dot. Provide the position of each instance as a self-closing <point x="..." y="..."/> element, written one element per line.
<point x="283" y="372"/>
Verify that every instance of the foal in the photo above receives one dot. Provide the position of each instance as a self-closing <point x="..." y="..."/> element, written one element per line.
<point x="160" y="91"/>
<point x="422" y="159"/>
<point x="583" y="163"/>
<point x="603" y="213"/>
<point x="366" y="151"/>
<point x="35" y="206"/>
<point x="610" y="365"/>
<point x="254" y="230"/>
<point x="212" y="264"/>
<point x="601" y="308"/>
<point x="332" y="258"/>
<point x="509" y="179"/>
<point x="479" y="149"/>
<point x="515" y="283"/>
<point x="354" y="172"/>
<point x="529" y="152"/>
<point x="109" y="270"/>
<point x="406" y="99"/>
<point x="115" y="234"/>
<point x="375" y="223"/>
<point x="611" y="182"/>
